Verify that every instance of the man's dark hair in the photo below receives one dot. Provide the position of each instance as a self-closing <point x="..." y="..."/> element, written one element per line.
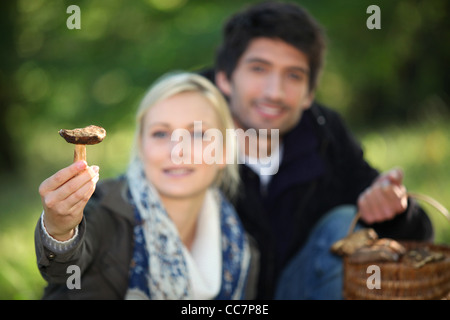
<point x="286" y="21"/>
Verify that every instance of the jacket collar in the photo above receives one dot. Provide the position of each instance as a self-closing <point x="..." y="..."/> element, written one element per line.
<point x="302" y="150"/>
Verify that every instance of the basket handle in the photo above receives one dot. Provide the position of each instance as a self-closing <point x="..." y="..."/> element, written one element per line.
<point x="439" y="207"/>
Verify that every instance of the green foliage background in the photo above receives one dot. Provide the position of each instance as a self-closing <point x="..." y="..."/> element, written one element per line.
<point x="390" y="84"/>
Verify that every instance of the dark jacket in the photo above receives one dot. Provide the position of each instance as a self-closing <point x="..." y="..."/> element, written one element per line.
<point x="322" y="167"/>
<point x="104" y="251"/>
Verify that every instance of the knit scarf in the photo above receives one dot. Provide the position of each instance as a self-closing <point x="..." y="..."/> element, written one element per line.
<point x="159" y="269"/>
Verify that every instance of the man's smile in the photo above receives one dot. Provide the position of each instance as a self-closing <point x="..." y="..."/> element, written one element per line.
<point x="269" y="110"/>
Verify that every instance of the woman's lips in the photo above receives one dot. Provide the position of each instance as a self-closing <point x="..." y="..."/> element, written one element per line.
<point x="178" y="172"/>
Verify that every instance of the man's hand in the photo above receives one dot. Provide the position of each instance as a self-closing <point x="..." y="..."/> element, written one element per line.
<point x="64" y="196"/>
<point x="384" y="199"/>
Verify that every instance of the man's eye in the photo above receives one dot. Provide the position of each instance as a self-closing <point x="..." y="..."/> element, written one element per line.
<point x="258" y="69"/>
<point x="295" y="76"/>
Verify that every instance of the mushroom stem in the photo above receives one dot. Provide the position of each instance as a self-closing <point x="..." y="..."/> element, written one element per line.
<point x="79" y="153"/>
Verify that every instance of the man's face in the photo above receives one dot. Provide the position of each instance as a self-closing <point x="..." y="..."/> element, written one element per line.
<point x="269" y="88"/>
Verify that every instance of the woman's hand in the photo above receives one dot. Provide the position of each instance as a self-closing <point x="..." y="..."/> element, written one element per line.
<point x="64" y="196"/>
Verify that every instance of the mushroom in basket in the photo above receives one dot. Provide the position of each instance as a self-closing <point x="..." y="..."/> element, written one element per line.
<point x="365" y="246"/>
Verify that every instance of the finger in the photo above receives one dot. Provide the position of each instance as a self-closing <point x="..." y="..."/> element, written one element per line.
<point x="79" y="181"/>
<point x="76" y="183"/>
<point x="394" y="198"/>
<point x="81" y="194"/>
<point x="57" y="199"/>
<point x="390" y="200"/>
<point x="374" y="206"/>
<point x="61" y="177"/>
<point x="395" y="176"/>
<point x="365" y="207"/>
<point x="398" y="198"/>
<point x="376" y="203"/>
<point x="364" y="210"/>
<point x="79" y="206"/>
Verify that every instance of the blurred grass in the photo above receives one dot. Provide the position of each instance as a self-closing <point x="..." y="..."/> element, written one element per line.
<point x="423" y="151"/>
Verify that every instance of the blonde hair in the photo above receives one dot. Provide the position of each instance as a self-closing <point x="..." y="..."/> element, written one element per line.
<point x="174" y="83"/>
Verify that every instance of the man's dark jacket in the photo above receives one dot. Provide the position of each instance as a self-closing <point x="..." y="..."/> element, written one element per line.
<point x="322" y="167"/>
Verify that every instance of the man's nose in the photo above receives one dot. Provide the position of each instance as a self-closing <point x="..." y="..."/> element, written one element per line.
<point x="274" y="89"/>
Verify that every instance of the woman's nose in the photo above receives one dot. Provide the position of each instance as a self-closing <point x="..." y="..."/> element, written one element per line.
<point x="179" y="147"/>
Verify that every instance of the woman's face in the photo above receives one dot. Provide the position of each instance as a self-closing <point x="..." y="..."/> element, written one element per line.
<point x="171" y="178"/>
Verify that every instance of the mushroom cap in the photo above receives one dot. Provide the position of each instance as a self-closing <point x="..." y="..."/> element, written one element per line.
<point x="88" y="135"/>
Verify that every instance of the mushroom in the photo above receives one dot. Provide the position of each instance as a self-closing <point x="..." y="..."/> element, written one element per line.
<point x="383" y="249"/>
<point x="354" y="241"/>
<point x="81" y="137"/>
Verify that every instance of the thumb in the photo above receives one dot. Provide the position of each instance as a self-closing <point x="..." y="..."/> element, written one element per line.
<point x="393" y="176"/>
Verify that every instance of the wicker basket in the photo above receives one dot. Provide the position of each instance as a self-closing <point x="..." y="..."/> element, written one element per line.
<point x="399" y="280"/>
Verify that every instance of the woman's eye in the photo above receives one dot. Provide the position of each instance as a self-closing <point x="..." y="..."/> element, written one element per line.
<point x="159" y="134"/>
<point x="197" y="134"/>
